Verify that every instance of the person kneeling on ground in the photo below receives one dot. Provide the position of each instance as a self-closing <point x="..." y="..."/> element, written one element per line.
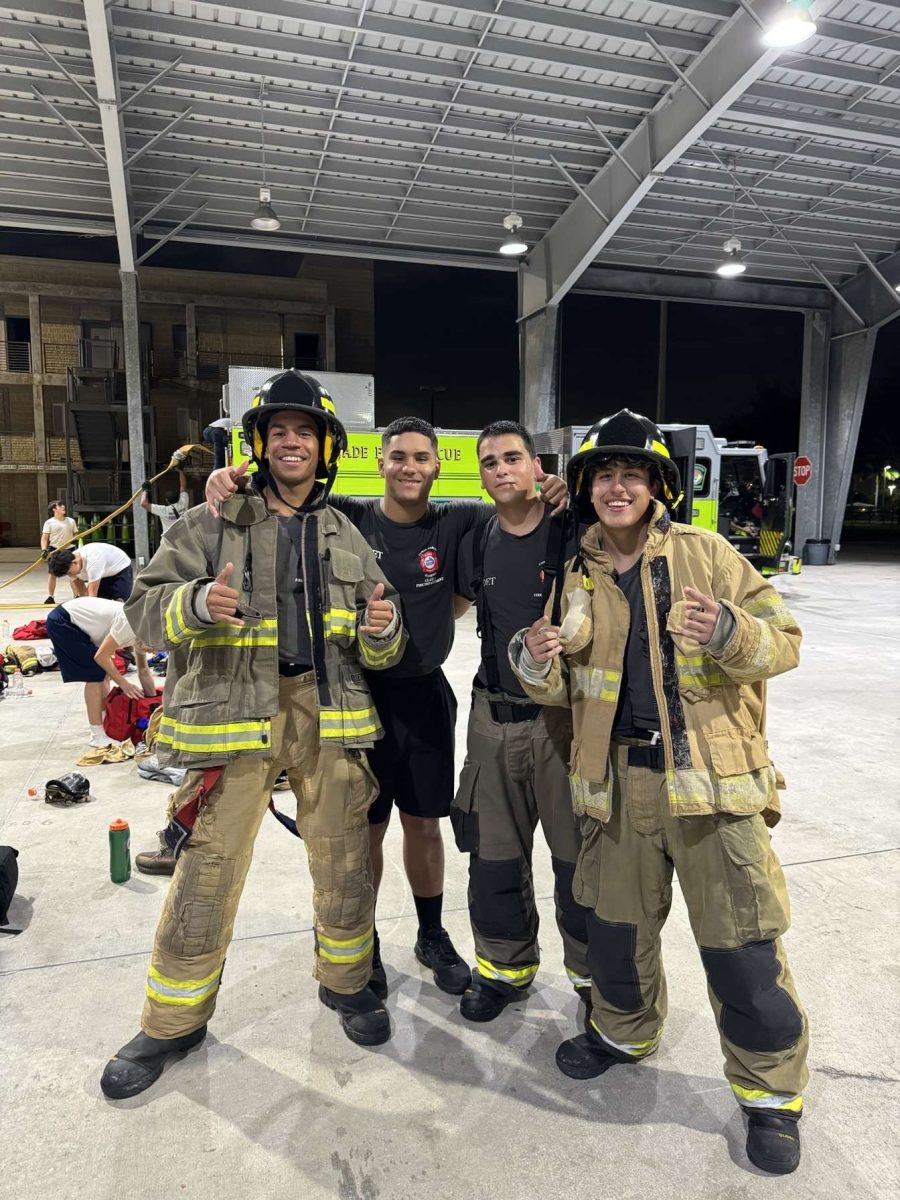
<point x="666" y="640"/>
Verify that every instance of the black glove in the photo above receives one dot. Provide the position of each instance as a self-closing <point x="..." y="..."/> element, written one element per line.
<point x="46" y="553"/>
<point x="146" y="485"/>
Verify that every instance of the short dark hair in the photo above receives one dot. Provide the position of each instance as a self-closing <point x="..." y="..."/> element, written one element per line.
<point x="59" y="562"/>
<point x="503" y="428"/>
<point x="627" y="460"/>
<point x="54" y="504"/>
<point x="410" y="425"/>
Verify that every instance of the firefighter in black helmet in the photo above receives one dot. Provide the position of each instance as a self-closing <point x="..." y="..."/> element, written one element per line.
<point x="665" y="644"/>
<point x="269" y="615"/>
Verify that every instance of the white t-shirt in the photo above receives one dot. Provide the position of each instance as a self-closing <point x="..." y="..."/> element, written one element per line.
<point x="101" y="560"/>
<point x="59" y="531"/>
<point x="98" y="618"/>
<point x="169" y="513"/>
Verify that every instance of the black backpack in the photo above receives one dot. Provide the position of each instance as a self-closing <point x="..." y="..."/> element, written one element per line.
<point x="9" y="877"/>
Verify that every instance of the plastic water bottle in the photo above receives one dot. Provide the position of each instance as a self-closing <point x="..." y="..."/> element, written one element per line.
<point x="16" y="685"/>
<point x="119" y="851"/>
<point x="5" y="632"/>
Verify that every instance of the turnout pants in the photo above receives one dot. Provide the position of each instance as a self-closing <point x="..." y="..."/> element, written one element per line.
<point x="514" y="776"/>
<point x="737" y="902"/>
<point x="334" y="788"/>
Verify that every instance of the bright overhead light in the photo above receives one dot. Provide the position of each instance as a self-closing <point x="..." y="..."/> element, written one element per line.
<point x="264" y="218"/>
<point x="793" y="25"/>
<point x="731" y="266"/>
<point x="513" y="244"/>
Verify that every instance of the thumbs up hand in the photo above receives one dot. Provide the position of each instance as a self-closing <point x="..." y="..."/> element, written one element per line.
<point x="222" y="600"/>
<point x="379" y="613"/>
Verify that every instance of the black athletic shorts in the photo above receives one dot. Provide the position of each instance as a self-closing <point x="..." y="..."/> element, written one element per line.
<point x="73" y="648"/>
<point x="413" y="762"/>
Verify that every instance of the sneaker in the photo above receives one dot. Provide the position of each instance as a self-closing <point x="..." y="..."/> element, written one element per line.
<point x="435" y="950"/>
<point x="484" y="1001"/>
<point x="282" y="783"/>
<point x="160" y="861"/>
<point x="378" y="979"/>
<point x="95" y="744"/>
<point x="50" y="600"/>
<point x="364" y="1018"/>
<point x="140" y="1063"/>
<point x="773" y="1142"/>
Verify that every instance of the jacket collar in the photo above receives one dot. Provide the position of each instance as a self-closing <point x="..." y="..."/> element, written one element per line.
<point x="249" y="508"/>
<point x="592" y="543"/>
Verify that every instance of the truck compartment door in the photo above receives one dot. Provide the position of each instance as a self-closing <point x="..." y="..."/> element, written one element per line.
<point x="682" y="447"/>
<point x="778" y="510"/>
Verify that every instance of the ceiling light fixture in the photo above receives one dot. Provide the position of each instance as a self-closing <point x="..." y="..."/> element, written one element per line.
<point x="513" y="244"/>
<point x="793" y="25"/>
<point x="264" y="218"/>
<point x="733" y="264"/>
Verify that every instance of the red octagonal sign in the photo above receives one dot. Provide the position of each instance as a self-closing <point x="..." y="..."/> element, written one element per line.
<point x="802" y="470"/>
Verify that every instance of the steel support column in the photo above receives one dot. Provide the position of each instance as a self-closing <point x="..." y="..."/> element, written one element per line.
<point x="850" y="361"/>
<point x="539" y="370"/>
<point x="813" y="411"/>
<point x="37" y="396"/>
<point x="131" y="330"/>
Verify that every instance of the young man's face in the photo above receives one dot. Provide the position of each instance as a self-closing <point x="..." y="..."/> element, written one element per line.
<point x="621" y="494"/>
<point x="409" y="466"/>
<point x="59" y="511"/>
<point x="292" y="448"/>
<point x="76" y="567"/>
<point x="507" y="469"/>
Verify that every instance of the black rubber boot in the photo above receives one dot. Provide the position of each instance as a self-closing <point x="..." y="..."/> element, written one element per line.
<point x="133" y="1068"/>
<point x="364" y="1018"/>
<point x="586" y="1057"/>
<point x="435" y="950"/>
<point x="378" y="979"/>
<point x="584" y="994"/>
<point x="484" y="1001"/>
<point x="773" y="1142"/>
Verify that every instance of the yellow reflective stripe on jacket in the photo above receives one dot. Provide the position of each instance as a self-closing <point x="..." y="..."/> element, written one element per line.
<point x="339" y="620"/>
<point x="346" y="950"/>
<point x="756" y="1098"/>
<point x="635" y="1049"/>
<point x="517" y="976"/>
<point x="222" y="634"/>
<point x="699" y="670"/>
<point x="594" y="683"/>
<point x="337" y="722"/>
<point x="177" y="630"/>
<point x="578" y="981"/>
<point x="375" y="656"/>
<point x="216" y="739"/>
<point x="769" y="607"/>
<point x="185" y="992"/>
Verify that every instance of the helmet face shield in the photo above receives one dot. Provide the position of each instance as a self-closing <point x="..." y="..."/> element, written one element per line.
<point x="626" y="436"/>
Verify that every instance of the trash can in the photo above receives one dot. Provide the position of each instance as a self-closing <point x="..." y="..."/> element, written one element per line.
<point x="817" y="551"/>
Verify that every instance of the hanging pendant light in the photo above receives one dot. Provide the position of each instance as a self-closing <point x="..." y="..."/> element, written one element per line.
<point x="265" y="218"/>
<point x="513" y="245"/>
<point x="733" y="263"/>
<point x="793" y="25"/>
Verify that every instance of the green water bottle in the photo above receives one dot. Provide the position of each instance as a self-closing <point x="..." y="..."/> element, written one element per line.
<point x="119" y="851"/>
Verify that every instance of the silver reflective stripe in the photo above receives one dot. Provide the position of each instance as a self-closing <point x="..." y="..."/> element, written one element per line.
<point x="164" y="989"/>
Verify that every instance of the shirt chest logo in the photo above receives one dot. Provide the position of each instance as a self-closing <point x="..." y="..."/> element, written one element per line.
<point x="429" y="563"/>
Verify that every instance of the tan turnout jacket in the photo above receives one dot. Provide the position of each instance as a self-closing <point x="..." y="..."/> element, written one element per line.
<point x="222" y="680"/>
<point x="712" y="710"/>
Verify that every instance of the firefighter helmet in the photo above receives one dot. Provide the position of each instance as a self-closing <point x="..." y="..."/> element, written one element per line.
<point x="296" y="392"/>
<point x="626" y="435"/>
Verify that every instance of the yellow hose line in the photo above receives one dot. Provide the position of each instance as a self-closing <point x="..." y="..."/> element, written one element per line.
<point x="83" y="533"/>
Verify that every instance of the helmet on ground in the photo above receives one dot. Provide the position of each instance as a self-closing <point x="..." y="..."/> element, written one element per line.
<point x="625" y="435"/>
<point x="293" y="391"/>
<point x="73" y="788"/>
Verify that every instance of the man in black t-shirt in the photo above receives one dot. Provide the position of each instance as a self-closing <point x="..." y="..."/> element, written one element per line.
<point x="515" y="772"/>
<point x="415" y="543"/>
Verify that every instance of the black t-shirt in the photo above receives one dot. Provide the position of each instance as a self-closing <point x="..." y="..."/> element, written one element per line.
<point x="420" y="560"/>
<point x="294" y="645"/>
<point x="515" y="590"/>
<point x="637" y="702"/>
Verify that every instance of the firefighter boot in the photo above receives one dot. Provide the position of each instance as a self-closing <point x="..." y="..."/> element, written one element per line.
<point x="435" y="950"/>
<point x="378" y="979"/>
<point x="156" y="862"/>
<point x="364" y="1018"/>
<point x="587" y="1056"/>
<point x="584" y="994"/>
<point x="484" y="1001"/>
<point x="138" y="1064"/>
<point x="773" y="1142"/>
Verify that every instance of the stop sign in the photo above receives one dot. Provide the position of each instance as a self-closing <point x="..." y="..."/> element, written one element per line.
<point x="802" y="470"/>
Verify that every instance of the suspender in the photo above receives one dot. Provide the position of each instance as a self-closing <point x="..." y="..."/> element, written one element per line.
<point x="553" y="565"/>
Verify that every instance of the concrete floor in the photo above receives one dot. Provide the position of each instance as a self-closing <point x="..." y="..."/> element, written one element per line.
<point x="278" y="1103"/>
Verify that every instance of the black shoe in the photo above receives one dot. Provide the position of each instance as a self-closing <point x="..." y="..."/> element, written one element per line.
<point x="364" y="1018"/>
<point x="585" y="1057"/>
<point x="586" y="998"/>
<point x="484" y="1001"/>
<point x="378" y="979"/>
<point x="50" y="600"/>
<point x="773" y="1142"/>
<point x="133" y="1068"/>
<point x="435" y="950"/>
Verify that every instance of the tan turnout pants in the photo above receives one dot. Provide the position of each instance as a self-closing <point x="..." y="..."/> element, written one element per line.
<point x="738" y="907"/>
<point x="334" y="788"/>
<point x="515" y="776"/>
